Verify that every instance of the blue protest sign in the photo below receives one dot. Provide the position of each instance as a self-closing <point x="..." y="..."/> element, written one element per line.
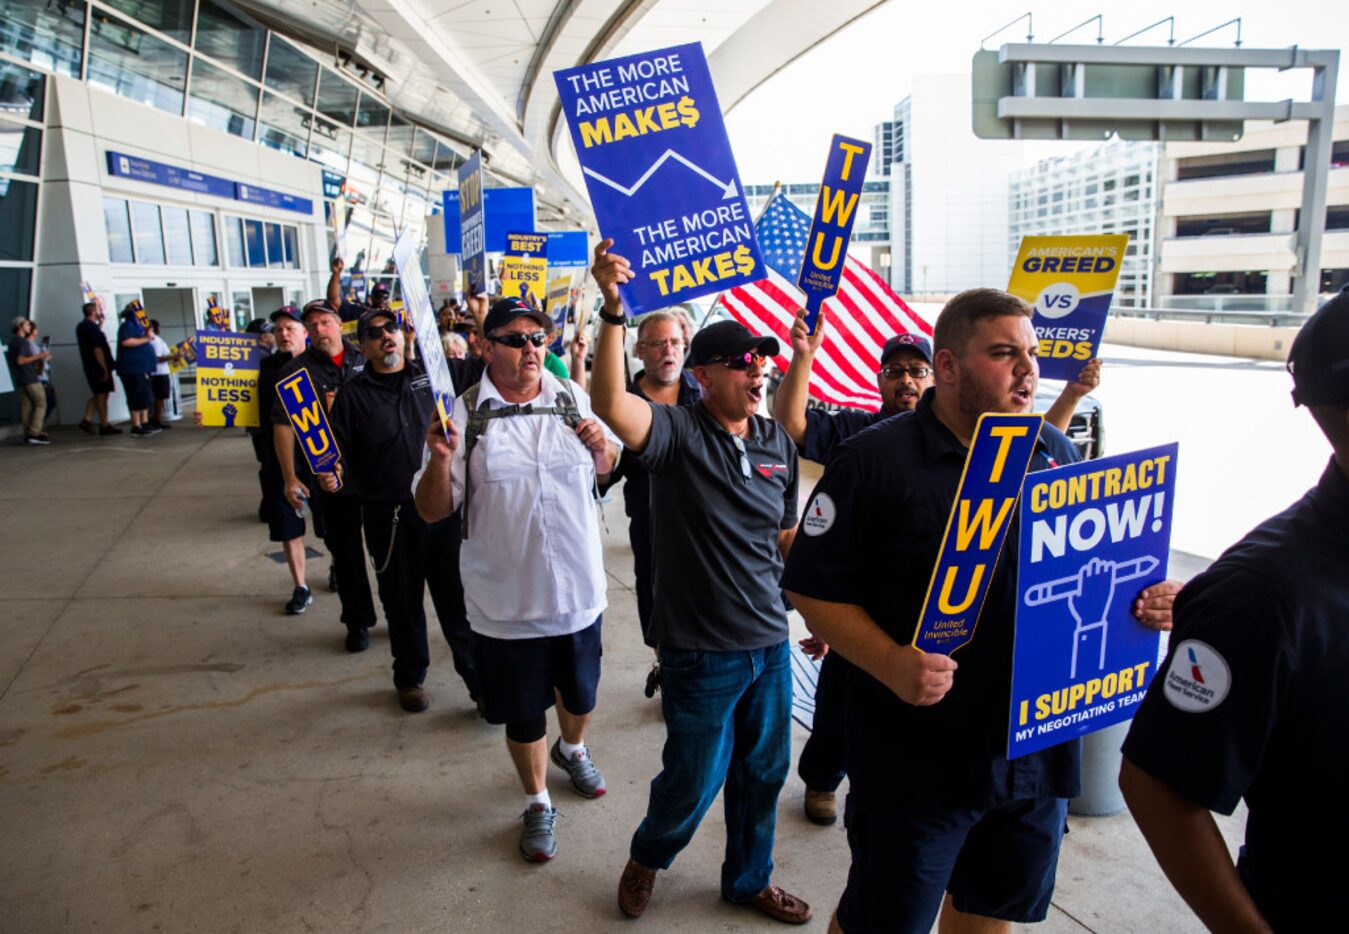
<point x="504" y="209"/>
<point x="661" y="176"/>
<point x="831" y="229"/>
<point x="471" y="224"/>
<point x="980" y="518"/>
<point x="568" y="248"/>
<point x="310" y="421"/>
<point x="1092" y="536"/>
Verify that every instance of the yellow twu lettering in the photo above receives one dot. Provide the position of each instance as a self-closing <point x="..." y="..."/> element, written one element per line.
<point x="292" y="386"/>
<point x="319" y="436"/>
<point x="1004" y="434"/>
<point x="835" y="202"/>
<point x="307" y="418"/>
<point x="833" y="257"/>
<point x="944" y="598"/>
<point x="851" y="151"/>
<point x="982" y="522"/>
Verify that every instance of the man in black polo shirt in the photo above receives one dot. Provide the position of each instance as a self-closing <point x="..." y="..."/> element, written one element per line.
<point x="380" y="418"/>
<point x="97" y="361"/>
<point x="723" y="500"/>
<point x="330" y="360"/>
<point x="1253" y="699"/>
<point x="934" y="805"/>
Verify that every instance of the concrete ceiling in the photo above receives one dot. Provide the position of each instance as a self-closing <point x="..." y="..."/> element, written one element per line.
<point x="481" y="70"/>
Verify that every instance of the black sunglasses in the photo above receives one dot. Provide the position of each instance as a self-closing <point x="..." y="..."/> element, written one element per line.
<point x="739" y="361"/>
<point x="516" y="341"/>
<point x="375" y="330"/>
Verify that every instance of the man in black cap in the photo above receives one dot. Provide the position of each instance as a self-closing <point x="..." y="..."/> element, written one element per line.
<point x="723" y="505"/>
<point x="261" y="435"/>
<point x="1252" y="701"/>
<point x="380" y="419"/>
<point x="285" y="524"/>
<point x="331" y="360"/>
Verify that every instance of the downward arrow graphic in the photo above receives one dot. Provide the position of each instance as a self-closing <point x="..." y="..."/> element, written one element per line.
<point x="729" y="189"/>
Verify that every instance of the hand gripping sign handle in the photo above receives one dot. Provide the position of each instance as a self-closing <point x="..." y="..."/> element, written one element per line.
<point x="310" y="421"/>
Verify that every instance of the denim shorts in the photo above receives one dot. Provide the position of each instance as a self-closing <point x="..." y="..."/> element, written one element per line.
<point x="518" y="676"/>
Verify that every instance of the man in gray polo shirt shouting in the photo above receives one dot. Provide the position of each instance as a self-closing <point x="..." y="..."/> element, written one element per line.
<point x="723" y="506"/>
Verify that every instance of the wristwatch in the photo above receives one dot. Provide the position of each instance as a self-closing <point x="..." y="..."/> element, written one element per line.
<point x="619" y="320"/>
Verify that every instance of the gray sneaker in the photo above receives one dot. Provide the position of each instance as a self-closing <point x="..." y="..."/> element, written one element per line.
<point x="585" y="778"/>
<point x="538" y="841"/>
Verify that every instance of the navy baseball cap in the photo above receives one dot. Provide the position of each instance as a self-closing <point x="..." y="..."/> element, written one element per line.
<point x="379" y="288"/>
<point x="506" y="310"/>
<point x="287" y="311"/>
<point x="1319" y="358"/>
<point x="907" y="342"/>
<point x="318" y="304"/>
<point x="728" y="339"/>
<point x="258" y="326"/>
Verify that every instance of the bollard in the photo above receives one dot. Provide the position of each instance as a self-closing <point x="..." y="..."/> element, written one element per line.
<point x="1100" y="773"/>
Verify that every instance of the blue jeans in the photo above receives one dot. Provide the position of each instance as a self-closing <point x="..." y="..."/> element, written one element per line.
<point x="728" y="721"/>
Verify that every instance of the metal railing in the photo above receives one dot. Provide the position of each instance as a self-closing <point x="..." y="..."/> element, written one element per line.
<point x="1222" y="314"/>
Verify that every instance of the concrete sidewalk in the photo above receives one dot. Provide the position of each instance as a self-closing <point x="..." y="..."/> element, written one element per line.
<point x="176" y="754"/>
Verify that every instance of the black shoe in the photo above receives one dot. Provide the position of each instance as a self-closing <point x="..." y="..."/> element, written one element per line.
<point x="332" y="580"/>
<point x="160" y="426"/>
<point x="87" y="427"/>
<point x="299" y="601"/>
<point x="358" y="640"/>
<point x="37" y="439"/>
<point x="652" y="681"/>
<point x="109" y="430"/>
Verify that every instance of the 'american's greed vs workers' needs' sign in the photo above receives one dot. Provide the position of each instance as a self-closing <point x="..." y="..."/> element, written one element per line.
<point x="310" y="421"/>
<point x="472" y="225"/>
<point x="995" y="468"/>
<point x="227" y="378"/>
<point x="524" y="269"/>
<point x="661" y="176"/>
<point x="831" y="229"/>
<point x="1070" y="281"/>
<point x="1093" y="535"/>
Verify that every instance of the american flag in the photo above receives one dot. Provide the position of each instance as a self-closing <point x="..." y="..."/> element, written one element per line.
<point x="861" y="317"/>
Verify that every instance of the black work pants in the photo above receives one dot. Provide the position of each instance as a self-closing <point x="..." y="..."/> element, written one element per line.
<point x="263" y="452"/>
<point x="342" y="525"/>
<point x="821" y="764"/>
<point x="407" y="556"/>
<point x="639" y="536"/>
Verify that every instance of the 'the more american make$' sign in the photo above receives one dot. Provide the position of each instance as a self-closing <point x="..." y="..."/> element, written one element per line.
<point x="661" y="176"/>
<point x="831" y="229"/>
<point x="985" y="502"/>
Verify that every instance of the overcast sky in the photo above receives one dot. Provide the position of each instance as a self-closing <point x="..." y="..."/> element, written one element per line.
<point x="853" y="81"/>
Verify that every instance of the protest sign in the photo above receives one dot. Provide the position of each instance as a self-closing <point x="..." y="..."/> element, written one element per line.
<point x="216" y="317"/>
<point x="471" y="224"/>
<point x="140" y="314"/>
<point x="557" y="305"/>
<point x="1092" y="536"/>
<point x="831" y="229"/>
<point x="227" y="379"/>
<point x="310" y="421"/>
<point x="662" y="179"/>
<point x="184" y="355"/>
<point x="1070" y="281"/>
<point x="995" y="467"/>
<point x="525" y="266"/>
<point x="417" y="302"/>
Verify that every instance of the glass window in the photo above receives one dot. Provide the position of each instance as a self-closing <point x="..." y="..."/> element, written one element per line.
<point x="19" y="148"/>
<point x="424" y="147"/>
<point x="372" y="117"/>
<point x="118" y="223"/>
<point x="221" y="101"/>
<point x="337" y="98"/>
<point x="171" y="17"/>
<point x="148" y="235"/>
<point x="290" y="71"/>
<point x="234" y="240"/>
<point x="399" y="139"/>
<point x="18" y="208"/>
<point x="271" y="235"/>
<point x="177" y="236"/>
<point x="203" y="239"/>
<point x="291" y="235"/>
<point x="50" y="35"/>
<point x="367" y="158"/>
<point x="330" y="145"/>
<point x="136" y="65"/>
<point x="22" y="91"/>
<point x="257" y="255"/>
<point x="284" y="126"/>
<point x="230" y="38"/>
<point x="243" y="307"/>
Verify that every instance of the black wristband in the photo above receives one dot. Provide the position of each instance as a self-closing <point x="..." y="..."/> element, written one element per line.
<point x="619" y="320"/>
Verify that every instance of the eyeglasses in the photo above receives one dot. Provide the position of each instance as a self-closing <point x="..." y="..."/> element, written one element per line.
<point x="674" y="343"/>
<point x="915" y="372"/>
<point x="744" y="457"/>
<point x="375" y="330"/>
<point x="516" y="341"/>
<point x="740" y="361"/>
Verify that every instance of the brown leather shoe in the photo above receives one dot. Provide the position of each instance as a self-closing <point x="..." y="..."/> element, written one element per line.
<point x="781" y="906"/>
<point x="634" y="888"/>
<point x="820" y="807"/>
<point x="413" y="699"/>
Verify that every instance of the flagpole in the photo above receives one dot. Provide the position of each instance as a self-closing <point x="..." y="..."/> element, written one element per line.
<point x="713" y="307"/>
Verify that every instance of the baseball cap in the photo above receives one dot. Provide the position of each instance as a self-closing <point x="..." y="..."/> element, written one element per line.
<point x="910" y="341"/>
<point x="379" y="288"/>
<point x="287" y="311"/>
<point x="506" y="310"/>
<point x="258" y="326"/>
<point x="1319" y="358"/>
<point x="728" y="339"/>
<point x="369" y="317"/>
<point x="318" y="304"/>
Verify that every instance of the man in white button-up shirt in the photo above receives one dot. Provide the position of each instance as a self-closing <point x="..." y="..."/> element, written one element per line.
<point x="534" y="583"/>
